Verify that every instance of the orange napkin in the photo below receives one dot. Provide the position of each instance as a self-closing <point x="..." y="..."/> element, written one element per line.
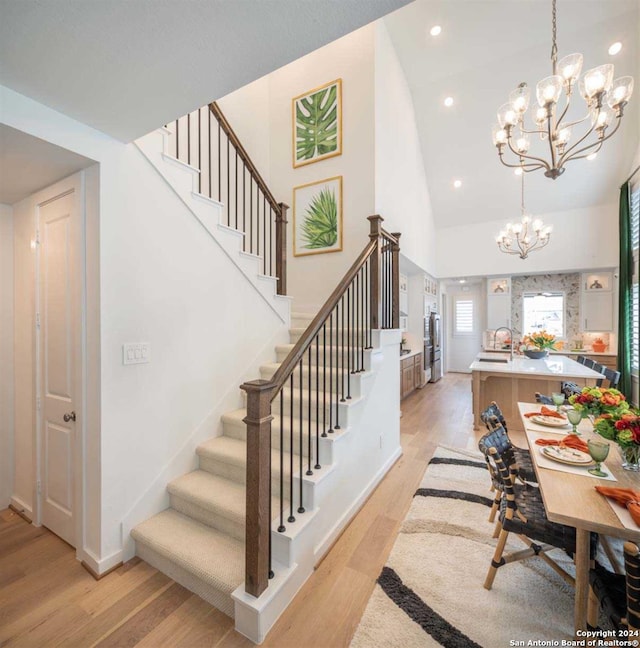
<point x="624" y="497"/>
<point x="545" y="411"/>
<point x="570" y="441"/>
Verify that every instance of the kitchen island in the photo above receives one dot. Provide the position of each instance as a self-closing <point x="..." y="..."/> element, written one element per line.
<point x="496" y="377"/>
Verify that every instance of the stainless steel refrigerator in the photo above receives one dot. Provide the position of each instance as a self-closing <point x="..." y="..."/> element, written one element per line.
<point x="435" y="342"/>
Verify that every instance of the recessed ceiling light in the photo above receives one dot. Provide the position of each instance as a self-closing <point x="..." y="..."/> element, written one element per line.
<point x="448" y="102"/>
<point x="435" y="30"/>
<point x="457" y="184"/>
<point x="462" y="280"/>
<point x="615" y="48"/>
<point x="592" y="156"/>
<point x="518" y="171"/>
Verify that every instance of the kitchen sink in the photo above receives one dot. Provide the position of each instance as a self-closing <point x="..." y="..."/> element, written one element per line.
<point x="503" y="360"/>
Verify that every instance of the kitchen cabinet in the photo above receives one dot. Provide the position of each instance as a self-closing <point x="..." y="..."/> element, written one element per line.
<point x="498" y="303"/>
<point x="411" y="374"/>
<point x="596" y="301"/>
<point x="403" y="301"/>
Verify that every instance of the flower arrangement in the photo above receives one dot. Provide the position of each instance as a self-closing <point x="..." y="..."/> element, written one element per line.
<point x="540" y="340"/>
<point x="599" y="400"/>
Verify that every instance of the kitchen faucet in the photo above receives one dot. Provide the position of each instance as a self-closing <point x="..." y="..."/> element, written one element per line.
<point x="504" y="328"/>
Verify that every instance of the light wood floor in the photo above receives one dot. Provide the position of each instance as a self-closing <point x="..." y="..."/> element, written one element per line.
<point x="48" y="599"/>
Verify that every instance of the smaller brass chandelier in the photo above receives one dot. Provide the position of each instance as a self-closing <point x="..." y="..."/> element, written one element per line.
<point x="526" y="236"/>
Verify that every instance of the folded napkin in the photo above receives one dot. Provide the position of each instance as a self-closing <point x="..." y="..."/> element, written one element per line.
<point x="570" y="441"/>
<point x="625" y="497"/>
<point x="545" y="411"/>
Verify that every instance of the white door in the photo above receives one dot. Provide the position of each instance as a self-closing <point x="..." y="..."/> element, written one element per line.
<point x="58" y="222"/>
<point x="464" y="334"/>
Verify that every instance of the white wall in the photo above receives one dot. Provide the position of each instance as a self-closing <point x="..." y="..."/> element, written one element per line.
<point x="582" y="238"/>
<point x="24" y="230"/>
<point x="312" y="278"/>
<point x="163" y="280"/>
<point x="401" y="192"/>
<point x="6" y="354"/>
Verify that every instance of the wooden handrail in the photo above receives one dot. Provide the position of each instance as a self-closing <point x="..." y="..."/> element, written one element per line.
<point x="291" y="361"/>
<point x="233" y="138"/>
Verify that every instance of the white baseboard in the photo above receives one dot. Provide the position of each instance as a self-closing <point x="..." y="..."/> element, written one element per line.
<point x="100" y="566"/>
<point x="22" y="507"/>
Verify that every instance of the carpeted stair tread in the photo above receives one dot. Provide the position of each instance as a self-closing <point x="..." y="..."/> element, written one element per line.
<point x="213" y="493"/>
<point x="234" y="451"/>
<point x="213" y="557"/>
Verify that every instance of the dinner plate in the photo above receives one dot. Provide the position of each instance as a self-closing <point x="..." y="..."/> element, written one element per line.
<point x="567" y="455"/>
<point x="550" y="421"/>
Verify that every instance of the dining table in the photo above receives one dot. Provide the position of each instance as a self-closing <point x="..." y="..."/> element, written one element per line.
<point x="570" y="498"/>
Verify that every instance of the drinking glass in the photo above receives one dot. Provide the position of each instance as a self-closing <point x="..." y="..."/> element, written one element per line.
<point x="599" y="450"/>
<point x="558" y="399"/>
<point x="574" y="416"/>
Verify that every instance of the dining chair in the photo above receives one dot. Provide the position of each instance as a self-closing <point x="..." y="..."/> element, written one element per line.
<point x="493" y="419"/>
<point x="581" y="359"/>
<point x="569" y="388"/>
<point x="616" y="597"/>
<point x="600" y="369"/>
<point x="522" y="512"/>
<point x="588" y="362"/>
<point x="613" y="377"/>
<point x="544" y="400"/>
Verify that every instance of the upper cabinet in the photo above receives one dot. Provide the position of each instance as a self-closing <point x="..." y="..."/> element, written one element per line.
<point x="430" y="295"/>
<point x="597" y="301"/>
<point x="498" y="302"/>
<point x="404" y="301"/>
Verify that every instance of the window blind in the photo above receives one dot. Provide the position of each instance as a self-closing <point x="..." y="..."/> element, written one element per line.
<point x="464" y="316"/>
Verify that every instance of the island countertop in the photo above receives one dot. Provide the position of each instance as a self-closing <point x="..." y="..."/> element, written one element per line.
<point x="556" y="366"/>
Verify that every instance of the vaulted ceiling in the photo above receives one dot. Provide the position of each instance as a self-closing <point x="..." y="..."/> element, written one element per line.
<point x="486" y="48"/>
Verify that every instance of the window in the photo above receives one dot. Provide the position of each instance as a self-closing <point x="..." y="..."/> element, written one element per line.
<point x="464" y="316"/>
<point x="543" y="311"/>
<point x="635" y="297"/>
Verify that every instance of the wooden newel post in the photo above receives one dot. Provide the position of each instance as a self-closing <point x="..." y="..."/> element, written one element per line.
<point x="395" y="275"/>
<point x="281" y="249"/>
<point x="375" y="300"/>
<point x="258" y="516"/>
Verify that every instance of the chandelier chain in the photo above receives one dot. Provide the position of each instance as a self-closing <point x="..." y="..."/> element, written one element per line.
<point x="522" y="193"/>
<point x="554" y="46"/>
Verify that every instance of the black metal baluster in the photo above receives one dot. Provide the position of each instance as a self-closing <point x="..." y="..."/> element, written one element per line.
<point x="251" y="214"/>
<point x="244" y="207"/>
<point x="301" y="507"/>
<point x="228" y="201"/>
<point x="362" y="342"/>
<point x="336" y="337"/>
<point x="264" y="230"/>
<point x="291" y="517"/>
<point x="219" y="163"/>
<point x="270" y="240"/>
<point x="330" y="373"/>
<point x="367" y="291"/>
<point x="317" y="466"/>
<point x="342" y="350"/>
<point x="324" y="379"/>
<point x="356" y="359"/>
<point x="257" y="220"/>
<point x="309" y="471"/>
<point x="281" y="528"/>
<point x="200" y="149"/>
<point x="209" y="131"/>
<point x="236" y="188"/>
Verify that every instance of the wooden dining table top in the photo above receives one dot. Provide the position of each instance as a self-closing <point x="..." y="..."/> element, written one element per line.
<point x="572" y="499"/>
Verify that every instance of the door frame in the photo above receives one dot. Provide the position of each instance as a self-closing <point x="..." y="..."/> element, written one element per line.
<point x="73" y="184"/>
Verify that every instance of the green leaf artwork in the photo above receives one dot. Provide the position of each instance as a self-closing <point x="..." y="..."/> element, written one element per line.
<point x="317" y="123"/>
<point x="320" y="226"/>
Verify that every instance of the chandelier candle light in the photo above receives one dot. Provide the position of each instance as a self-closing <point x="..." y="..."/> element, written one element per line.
<point x="605" y="99"/>
<point x="526" y="236"/>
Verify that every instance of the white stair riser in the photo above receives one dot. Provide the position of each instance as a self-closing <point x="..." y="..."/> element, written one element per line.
<point x="332" y="354"/>
<point x="238" y="430"/>
<point x="332" y="381"/>
<point x="334" y="335"/>
<point x="213" y="519"/>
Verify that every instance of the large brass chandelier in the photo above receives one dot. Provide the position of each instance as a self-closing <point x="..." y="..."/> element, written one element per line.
<point x="526" y="236"/>
<point x="605" y="101"/>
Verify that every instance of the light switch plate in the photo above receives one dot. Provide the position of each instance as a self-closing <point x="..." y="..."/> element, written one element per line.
<point x="135" y="353"/>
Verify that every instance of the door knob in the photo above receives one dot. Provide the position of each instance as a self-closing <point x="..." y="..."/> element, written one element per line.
<point x="69" y="417"/>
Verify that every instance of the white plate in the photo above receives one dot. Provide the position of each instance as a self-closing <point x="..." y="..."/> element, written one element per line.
<point x="567" y="455"/>
<point x="550" y="421"/>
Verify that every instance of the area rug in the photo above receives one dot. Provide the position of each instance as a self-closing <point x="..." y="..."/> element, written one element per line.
<point x="430" y="592"/>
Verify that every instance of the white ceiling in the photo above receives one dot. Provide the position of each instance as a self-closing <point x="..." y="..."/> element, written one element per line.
<point x="125" y="66"/>
<point x="486" y="48"/>
<point x="28" y="164"/>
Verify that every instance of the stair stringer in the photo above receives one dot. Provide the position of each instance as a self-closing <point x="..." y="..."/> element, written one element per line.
<point x="182" y="178"/>
<point x="363" y="453"/>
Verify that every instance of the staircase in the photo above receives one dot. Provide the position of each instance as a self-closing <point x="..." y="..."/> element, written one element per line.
<point x="322" y="423"/>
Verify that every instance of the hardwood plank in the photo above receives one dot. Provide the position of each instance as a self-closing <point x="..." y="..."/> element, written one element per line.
<point x="56" y="602"/>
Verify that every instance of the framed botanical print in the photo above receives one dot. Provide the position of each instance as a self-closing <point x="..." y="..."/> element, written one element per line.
<point x="317" y="217"/>
<point x="317" y="124"/>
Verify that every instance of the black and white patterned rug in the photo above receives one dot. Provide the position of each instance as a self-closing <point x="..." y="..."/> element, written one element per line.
<point x="430" y="592"/>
